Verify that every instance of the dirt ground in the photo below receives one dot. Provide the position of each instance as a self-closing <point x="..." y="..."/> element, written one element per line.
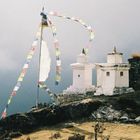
<point x="112" y="130"/>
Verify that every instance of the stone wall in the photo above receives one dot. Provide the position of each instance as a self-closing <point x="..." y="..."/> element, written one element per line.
<point x="134" y="73"/>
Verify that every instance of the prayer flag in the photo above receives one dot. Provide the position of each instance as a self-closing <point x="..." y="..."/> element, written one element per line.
<point x="57" y="52"/>
<point x="16" y="88"/>
<point x="20" y="79"/>
<point x="35" y="43"/>
<point x="13" y="93"/>
<point x="4" y="114"/>
<point x="26" y="66"/>
<point x="58" y="62"/>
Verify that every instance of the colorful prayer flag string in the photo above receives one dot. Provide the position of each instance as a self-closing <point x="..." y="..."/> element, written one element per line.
<point x="46" y="22"/>
<point x="21" y="76"/>
<point x="53" y="96"/>
<point x="57" y="53"/>
<point x="89" y="28"/>
<point x="49" y="23"/>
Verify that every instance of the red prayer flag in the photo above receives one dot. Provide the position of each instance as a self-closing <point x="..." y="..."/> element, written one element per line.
<point x="4" y="115"/>
<point x="24" y="70"/>
<point x="13" y="93"/>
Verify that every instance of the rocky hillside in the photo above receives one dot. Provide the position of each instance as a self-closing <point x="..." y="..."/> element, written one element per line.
<point x="122" y="108"/>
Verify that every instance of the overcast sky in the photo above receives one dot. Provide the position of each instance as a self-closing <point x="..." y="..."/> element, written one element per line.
<point x="115" y="22"/>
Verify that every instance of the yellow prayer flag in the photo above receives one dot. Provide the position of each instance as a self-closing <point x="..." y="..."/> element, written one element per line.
<point x="58" y="78"/>
<point x="20" y="79"/>
<point x="57" y="53"/>
<point x="29" y="56"/>
<point x="91" y="35"/>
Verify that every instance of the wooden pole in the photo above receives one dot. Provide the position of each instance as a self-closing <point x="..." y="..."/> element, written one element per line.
<point x="41" y="37"/>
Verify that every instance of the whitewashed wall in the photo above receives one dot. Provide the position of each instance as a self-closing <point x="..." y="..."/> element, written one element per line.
<point x="122" y="81"/>
<point x="114" y="59"/>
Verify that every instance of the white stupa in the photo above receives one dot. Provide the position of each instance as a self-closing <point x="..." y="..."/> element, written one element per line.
<point x="82" y="75"/>
<point x="113" y="76"/>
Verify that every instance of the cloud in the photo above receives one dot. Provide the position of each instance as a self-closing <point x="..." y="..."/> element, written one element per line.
<point x="6" y="62"/>
<point x="114" y="22"/>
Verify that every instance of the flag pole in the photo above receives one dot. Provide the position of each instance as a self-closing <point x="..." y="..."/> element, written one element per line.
<point x="41" y="37"/>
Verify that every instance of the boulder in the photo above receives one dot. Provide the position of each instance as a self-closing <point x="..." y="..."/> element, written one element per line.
<point x="106" y="113"/>
<point x="98" y="116"/>
<point x="137" y="119"/>
<point x="77" y="137"/>
<point x="56" y="135"/>
<point x="69" y="125"/>
<point x="8" y="138"/>
<point x="15" y="134"/>
<point x="124" y="118"/>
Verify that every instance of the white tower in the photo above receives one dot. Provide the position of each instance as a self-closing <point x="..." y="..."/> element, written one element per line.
<point x="82" y="75"/>
<point x="113" y="76"/>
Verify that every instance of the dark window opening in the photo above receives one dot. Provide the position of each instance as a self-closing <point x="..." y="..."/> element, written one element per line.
<point x="107" y="73"/>
<point x="121" y="73"/>
<point x="78" y="75"/>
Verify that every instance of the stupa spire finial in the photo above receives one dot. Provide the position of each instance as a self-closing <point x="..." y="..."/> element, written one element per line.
<point x="114" y="49"/>
<point x="83" y="51"/>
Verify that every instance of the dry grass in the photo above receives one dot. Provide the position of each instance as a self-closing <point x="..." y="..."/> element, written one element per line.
<point x="115" y="131"/>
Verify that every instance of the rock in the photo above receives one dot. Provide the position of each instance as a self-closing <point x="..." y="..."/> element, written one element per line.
<point x="106" y="113"/>
<point x="103" y="112"/>
<point x="137" y="119"/>
<point x="98" y="115"/>
<point x="56" y="135"/>
<point x="124" y="118"/>
<point x="110" y="118"/>
<point x="86" y="101"/>
<point x="28" y="138"/>
<point x="15" y="134"/>
<point x="117" y="115"/>
<point x="69" y="125"/>
<point x="93" y="116"/>
<point x="131" y="121"/>
<point x="77" y="137"/>
<point x="8" y="138"/>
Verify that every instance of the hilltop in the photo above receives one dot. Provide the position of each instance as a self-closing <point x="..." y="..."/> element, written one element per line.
<point x="120" y="108"/>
